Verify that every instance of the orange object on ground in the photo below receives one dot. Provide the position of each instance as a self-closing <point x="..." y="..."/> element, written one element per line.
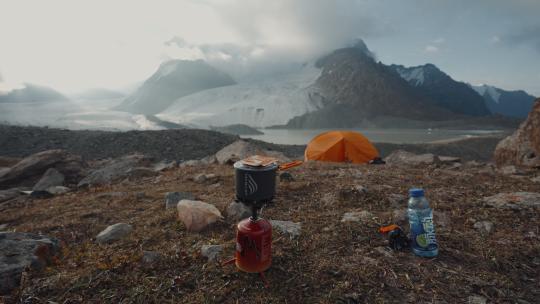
<point x="387" y="229"/>
<point x="341" y="146"/>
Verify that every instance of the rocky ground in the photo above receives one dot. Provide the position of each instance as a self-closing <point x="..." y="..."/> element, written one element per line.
<point x="180" y="145"/>
<point x="112" y="239"/>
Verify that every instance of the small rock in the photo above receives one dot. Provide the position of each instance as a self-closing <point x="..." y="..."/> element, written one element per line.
<point x="237" y="211"/>
<point x="536" y="179"/>
<point x="286" y="177"/>
<point x="476" y="299"/>
<point x="164" y="165"/>
<point x="397" y="200"/>
<point x="140" y="172"/>
<point x="357" y="216"/>
<point x="509" y="170"/>
<point x="211" y="252"/>
<point x="23" y="251"/>
<point x="361" y="189"/>
<point x="515" y="200"/>
<point x="57" y="190"/>
<point x="201" y="178"/>
<point x="385" y="251"/>
<point x="197" y="215"/>
<point x="51" y="178"/>
<point x="289" y="228"/>
<point x="172" y="198"/>
<point x="113" y="233"/>
<point x="150" y="257"/>
<point x="400" y="216"/>
<point x="449" y="159"/>
<point x="485" y="227"/>
<point x="401" y="157"/>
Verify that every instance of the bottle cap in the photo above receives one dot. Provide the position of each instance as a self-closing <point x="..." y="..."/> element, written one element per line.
<point x="416" y="192"/>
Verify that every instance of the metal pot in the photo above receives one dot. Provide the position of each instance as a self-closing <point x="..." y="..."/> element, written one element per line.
<point x="255" y="184"/>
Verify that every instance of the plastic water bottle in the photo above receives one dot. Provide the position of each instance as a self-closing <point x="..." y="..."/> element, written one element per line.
<point x="423" y="241"/>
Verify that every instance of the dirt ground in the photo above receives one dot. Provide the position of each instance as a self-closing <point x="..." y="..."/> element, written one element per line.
<point x="331" y="261"/>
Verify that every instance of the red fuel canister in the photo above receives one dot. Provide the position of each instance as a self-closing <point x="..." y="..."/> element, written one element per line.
<point x="253" y="245"/>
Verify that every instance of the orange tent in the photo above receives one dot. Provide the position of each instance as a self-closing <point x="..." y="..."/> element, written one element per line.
<point x="341" y="146"/>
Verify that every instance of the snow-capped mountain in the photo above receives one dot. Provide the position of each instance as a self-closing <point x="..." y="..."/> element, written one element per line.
<point x="508" y="103"/>
<point x="444" y="91"/>
<point x="257" y="103"/>
<point x="32" y="93"/>
<point x="173" y="79"/>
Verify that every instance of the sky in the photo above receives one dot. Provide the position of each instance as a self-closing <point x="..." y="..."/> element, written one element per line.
<point x="74" y="45"/>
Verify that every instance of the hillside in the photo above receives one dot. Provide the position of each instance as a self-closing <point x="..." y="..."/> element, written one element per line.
<point x="173" y="79"/>
<point x="503" y="102"/>
<point x="32" y="93"/>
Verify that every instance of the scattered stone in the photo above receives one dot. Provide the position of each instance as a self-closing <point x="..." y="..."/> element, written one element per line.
<point x="352" y="194"/>
<point x="208" y="160"/>
<point x="118" y="169"/>
<point x="164" y="165"/>
<point x="384" y="251"/>
<point x="189" y="163"/>
<point x="516" y="200"/>
<point x="114" y="233"/>
<point x="357" y="216"/>
<point x="536" y="179"/>
<point x="476" y="299"/>
<point x="202" y="178"/>
<point x="51" y="178"/>
<point x="172" y="198"/>
<point x="293" y="230"/>
<point x="400" y="216"/>
<point x="150" y="257"/>
<point x="197" y="215"/>
<point x="140" y="172"/>
<point x="237" y="211"/>
<point x="523" y="147"/>
<point x="449" y="159"/>
<point x="508" y="170"/>
<point x="211" y="252"/>
<point x="485" y="227"/>
<point x="401" y="157"/>
<point x="6" y="195"/>
<point x="57" y="190"/>
<point x="28" y="170"/>
<point x="21" y="251"/>
<point x="285" y="177"/>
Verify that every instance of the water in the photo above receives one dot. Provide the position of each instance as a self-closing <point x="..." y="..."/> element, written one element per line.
<point x="398" y="136"/>
<point x="423" y="241"/>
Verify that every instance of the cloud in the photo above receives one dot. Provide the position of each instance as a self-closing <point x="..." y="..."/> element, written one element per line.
<point x="495" y="39"/>
<point x="439" y="40"/>
<point x="431" y="49"/>
<point x="526" y="36"/>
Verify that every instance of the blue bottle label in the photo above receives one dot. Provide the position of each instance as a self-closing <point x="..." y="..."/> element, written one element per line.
<point x="423" y="234"/>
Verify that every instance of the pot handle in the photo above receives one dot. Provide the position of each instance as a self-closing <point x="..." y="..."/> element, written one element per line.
<point x="292" y="164"/>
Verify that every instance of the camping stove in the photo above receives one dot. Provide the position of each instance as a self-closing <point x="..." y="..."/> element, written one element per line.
<point x="255" y="187"/>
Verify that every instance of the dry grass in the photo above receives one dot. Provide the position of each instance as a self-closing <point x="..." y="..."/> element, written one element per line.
<point x="331" y="262"/>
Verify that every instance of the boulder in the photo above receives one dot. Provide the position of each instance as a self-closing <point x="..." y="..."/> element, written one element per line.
<point x="401" y="157"/>
<point x="118" y="169"/>
<point x="6" y="195"/>
<point x="172" y="198"/>
<point x="357" y="216"/>
<point x="289" y="228"/>
<point x="21" y="251"/>
<point x="114" y="233"/>
<point x="211" y="252"/>
<point x="523" y="147"/>
<point x="34" y="166"/>
<point x="241" y="149"/>
<point x="197" y="215"/>
<point x="51" y="178"/>
<point x="237" y="211"/>
<point x="515" y="200"/>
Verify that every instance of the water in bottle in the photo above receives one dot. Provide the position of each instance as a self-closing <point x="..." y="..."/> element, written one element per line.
<point x="423" y="241"/>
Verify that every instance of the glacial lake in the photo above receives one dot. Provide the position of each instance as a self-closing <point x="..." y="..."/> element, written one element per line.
<point x="397" y="136"/>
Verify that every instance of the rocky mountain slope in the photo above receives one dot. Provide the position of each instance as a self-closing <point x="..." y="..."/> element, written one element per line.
<point x="503" y="102"/>
<point x="32" y="93"/>
<point x="444" y="91"/>
<point x="173" y="79"/>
